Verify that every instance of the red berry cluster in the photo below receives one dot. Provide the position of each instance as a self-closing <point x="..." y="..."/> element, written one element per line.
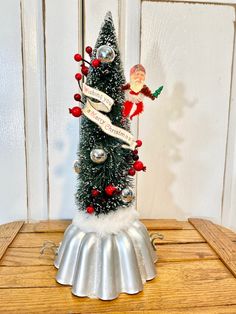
<point x="76" y="111"/>
<point x="95" y="63"/>
<point x="137" y="165"/>
<point x="110" y="190"/>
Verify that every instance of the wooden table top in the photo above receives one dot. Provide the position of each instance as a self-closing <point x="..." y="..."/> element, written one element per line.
<point x="196" y="271"/>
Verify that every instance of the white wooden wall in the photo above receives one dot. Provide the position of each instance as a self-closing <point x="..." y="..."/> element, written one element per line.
<point x="13" y="188"/>
<point x="188" y="134"/>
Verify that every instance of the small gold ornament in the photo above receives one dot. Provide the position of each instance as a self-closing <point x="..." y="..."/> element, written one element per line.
<point x="77" y="166"/>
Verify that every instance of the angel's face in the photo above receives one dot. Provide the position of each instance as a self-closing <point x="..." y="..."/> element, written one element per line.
<point x="137" y="80"/>
<point x="138" y="77"/>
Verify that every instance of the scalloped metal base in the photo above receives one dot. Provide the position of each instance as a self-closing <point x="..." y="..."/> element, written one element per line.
<point x="105" y="266"/>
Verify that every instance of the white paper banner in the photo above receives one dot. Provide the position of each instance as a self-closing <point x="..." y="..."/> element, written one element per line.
<point x="105" y="103"/>
<point x="105" y="124"/>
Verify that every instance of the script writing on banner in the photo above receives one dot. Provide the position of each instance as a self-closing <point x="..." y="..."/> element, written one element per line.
<point x="106" y="102"/>
<point x="105" y="124"/>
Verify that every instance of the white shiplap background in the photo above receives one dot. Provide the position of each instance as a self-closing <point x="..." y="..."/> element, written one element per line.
<point x="188" y="134"/>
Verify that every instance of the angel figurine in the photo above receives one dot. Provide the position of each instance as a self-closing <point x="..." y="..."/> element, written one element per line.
<point x="135" y="91"/>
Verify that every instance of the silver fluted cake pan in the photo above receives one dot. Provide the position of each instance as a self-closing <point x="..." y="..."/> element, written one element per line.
<point x="105" y="266"/>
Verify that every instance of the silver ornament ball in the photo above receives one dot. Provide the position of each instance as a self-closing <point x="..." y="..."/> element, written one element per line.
<point x="105" y="54"/>
<point x="77" y="166"/>
<point x="98" y="155"/>
<point x="127" y="195"/>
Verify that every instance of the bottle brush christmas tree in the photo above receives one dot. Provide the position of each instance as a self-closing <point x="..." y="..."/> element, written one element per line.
<point x="106" y="250"/>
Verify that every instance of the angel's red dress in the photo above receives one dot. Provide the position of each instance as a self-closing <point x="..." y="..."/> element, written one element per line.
<point x="135" y="98"/>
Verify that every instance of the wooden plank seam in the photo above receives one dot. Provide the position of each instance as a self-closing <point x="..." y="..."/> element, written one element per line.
<point x="220" y="242"/>
<point x="8" y="233"/>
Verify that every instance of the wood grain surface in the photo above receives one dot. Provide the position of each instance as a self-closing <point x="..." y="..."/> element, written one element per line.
<point x="220" y="242"/>
<point x="191" y="276"/>
<point x="7" y="234"/>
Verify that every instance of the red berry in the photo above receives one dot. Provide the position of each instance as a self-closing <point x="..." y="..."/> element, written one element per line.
<point x="90" y="209"/>
<point x="75" y="111"/>
<point x="110" y="190"/>
<point x="132" y="172"/>
<point x="136" y="157"/>
<point x="96" y="63"/>
<point x="78" y="57"/>
<point x="84" y="69"/>
<point x="78" y="76"/>
<point x="139" y="143"/>
<point x="88" y="49"/>
<point x="95" y="192"/>
<point x="135" y="152"/>
<point x="77" y="97"/>
<point x="138" y="165"/>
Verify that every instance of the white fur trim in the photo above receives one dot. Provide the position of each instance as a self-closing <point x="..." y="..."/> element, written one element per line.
<point x="133" y="98"/>
<point x="115" y="221"/>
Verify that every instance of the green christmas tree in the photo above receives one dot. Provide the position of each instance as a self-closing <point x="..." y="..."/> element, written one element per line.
<point x="100" y="185"/>
<point x="106" y="250"/>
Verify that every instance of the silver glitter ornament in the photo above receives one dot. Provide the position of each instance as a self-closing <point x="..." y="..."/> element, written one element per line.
<point x="98" y="155"/>
<point x="127" y="195"/>
<point x="105" y="54"/>
<point x="77" y="166"/>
